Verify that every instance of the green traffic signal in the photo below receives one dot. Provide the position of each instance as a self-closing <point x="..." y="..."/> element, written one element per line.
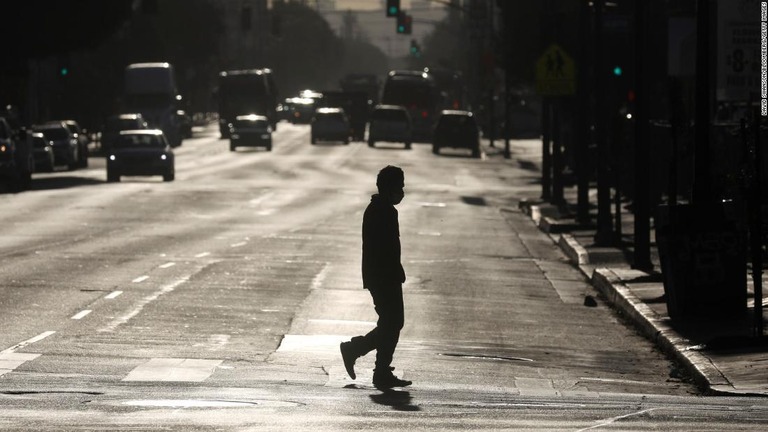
<point x="618" y="71"/>
<point x="393" y="8"/>
<point x="64" y="71"/>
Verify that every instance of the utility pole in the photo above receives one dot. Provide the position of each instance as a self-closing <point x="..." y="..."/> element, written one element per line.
<point x="604" y="234"/>
<point x="702" y="192"/>
<point x="583" y="171"/>
<point x="642" y="228"/>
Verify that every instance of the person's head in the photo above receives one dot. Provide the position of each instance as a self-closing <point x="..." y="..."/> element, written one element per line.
<point x="391" y="182"/>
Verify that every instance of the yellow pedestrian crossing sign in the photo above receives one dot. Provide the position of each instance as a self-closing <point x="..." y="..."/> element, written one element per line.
<point x="555" y="73"/>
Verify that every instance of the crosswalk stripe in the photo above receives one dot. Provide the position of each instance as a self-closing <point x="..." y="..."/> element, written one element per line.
<point x="174" y="369"/>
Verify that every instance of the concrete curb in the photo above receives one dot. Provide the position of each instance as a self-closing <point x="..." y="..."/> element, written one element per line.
<point x="704" y="373"/>
<point x="652" y="326"/>
<point x="575" y="252"/>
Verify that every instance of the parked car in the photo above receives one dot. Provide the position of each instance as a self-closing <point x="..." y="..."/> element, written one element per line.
<point x="42" y="149"/>
<point x="66" y="148"/>
<point x="119" y="122"/>
<point x="456" y="129"/>
<point x="141" y="152"/>
<point x="250" y="130"/>
<point x="82" y="140"/>
<point x="330" y="124"/>
<point x="185" y="123"/>
<point x="16" y="160"/>
<point x="390" y="123"/>
<point x="302" y="109"/>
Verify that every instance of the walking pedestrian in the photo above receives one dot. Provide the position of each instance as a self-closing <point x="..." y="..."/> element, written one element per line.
<point x="383" y="277"/>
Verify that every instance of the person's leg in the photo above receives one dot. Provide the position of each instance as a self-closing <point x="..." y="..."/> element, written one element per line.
<point x="359" y="346"/>
<point x="389" y="306"/>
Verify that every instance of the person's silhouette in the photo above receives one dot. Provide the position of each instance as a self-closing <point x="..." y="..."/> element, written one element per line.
<point x="383" y="276"/>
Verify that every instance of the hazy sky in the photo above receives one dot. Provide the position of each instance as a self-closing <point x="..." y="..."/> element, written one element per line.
<point x="372" y="4"/>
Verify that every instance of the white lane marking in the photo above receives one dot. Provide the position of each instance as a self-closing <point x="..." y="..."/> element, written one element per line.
<point x="11" y="360"/>
<point x="82" y="314"/>
<point x="317" y="281"/>
<point x="19" y="345"/>
<point x="174" y="369"/>
<point x="607" y="422"/>
<point x="167" y="265"/>
<point x="140" y="279"/>
<point x="143" y="302"/>
<point x="265" y="212"/>
<point x="311" y="343"/>
<point x="271" y="310"/>
<point x="238" y="244"/>
<point x="204" y="254"/>
<point x="430" y="233"/>
<point x="257" y="201"/>
<point x="343" y="322"/>
<point x="113" y="295"/>
<point x="431" y="204"/>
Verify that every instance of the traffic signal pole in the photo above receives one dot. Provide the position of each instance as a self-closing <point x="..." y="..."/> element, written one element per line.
<point x="642" y="226"/>
<point x="604" y="235"/>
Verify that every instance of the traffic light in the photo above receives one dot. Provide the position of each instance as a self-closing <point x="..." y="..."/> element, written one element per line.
<point x="393" y="8"/>
<point x="404" y="23"/>
<point x="415" y="49"/>
<point x="63" y="63"/>
<point x="618" y="71"/>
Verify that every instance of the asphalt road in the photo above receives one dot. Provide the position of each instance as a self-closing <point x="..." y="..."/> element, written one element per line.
<point x="217" y="302"/>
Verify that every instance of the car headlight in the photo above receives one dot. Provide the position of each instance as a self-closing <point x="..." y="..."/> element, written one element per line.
<point x="235" y="136"/>
<point x="265" y="136"/>
<point x="112" y="157"/>
<point x="163" y="157"/>
<point x="3" y="148"/>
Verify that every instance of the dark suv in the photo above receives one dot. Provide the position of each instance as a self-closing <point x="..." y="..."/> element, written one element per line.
<point x="66" y="148"/>
<point x="456" y="129"/>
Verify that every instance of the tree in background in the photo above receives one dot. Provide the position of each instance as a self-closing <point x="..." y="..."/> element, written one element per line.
<point x="306" y="53"/>
<point x="360" y="56"/>
<point x="448" y="46"/>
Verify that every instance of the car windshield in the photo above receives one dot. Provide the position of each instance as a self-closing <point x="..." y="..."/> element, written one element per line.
<point x="256" y="124"/>
<point x="140" y="141"/>
<point x="456" y="121"/>
<point x="118" y="124"/>
<point x="55" y="134"/>
<point x="390" y="115"/>
<point x="330" y="116"/>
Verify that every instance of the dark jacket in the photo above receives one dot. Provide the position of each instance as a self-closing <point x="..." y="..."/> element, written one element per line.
<point x="381" y="245"/>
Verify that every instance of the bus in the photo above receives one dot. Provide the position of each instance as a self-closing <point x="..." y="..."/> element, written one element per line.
<point x="418" y="93"/>
<point x="242" y="92"/>
<point x="150" y="89"/>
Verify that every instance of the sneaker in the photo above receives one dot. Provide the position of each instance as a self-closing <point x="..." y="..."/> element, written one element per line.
<point x="388" y="380"/>
<point x="349" y="359"/>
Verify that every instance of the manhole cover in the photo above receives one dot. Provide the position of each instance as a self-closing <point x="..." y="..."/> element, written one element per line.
<point x="202" y="403"/>
<point x="486" y="357"/>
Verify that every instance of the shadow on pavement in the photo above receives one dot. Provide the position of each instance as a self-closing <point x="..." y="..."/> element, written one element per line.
<point x="398" y="400"/>
<point x="51" y="183"/>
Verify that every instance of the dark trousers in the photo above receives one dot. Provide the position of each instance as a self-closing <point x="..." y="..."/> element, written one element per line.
<point x="388" y="301"/>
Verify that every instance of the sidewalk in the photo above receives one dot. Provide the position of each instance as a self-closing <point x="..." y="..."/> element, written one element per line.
<point x="715" y="355"/>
